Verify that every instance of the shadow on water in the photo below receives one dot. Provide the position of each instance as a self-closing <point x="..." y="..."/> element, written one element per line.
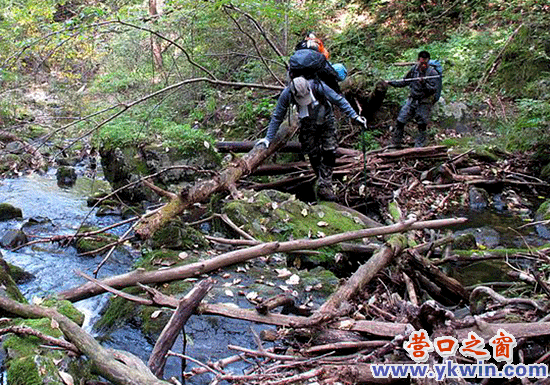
<point x="54" y="268"/>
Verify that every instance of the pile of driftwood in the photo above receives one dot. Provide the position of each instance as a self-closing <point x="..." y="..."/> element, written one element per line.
<point x="365" y="321"/>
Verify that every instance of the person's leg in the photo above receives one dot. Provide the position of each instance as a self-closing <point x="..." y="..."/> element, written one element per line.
<point x="421" y="138"/>
<point x="328" y="145"/>
<point x="404" y="116"/>
<point x="397" y="135"/>
<point x="423" y="117"/>
<point x="310" y="144"/>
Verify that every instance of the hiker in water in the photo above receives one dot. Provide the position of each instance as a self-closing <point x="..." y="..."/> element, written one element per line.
<point x="423" y="85"/>
<point x="317" y="130"/>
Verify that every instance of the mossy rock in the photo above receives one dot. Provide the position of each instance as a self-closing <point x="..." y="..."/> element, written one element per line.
<point x="8" y="288"/>
<point x="154" y="259"/>
<point x="66" y="308"/>
<point x="465" y="242"/>
<point x="271" y="215"/>
<point x="176" y="235"/>
<point x="19" y="275"/>
<point x="121" y="311"/>
<point x="7" y="212"/>
<point x="93" y="242"/>
<point x="29" y="363"/>
<point x="543" y="212"/>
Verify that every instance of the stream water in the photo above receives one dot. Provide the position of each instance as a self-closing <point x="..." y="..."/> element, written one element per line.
<point x="62" y="211"/>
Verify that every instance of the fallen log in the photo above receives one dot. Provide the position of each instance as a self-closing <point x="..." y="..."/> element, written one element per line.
<point x="449" y="292"/>
<point x="356" y="283"/>
<point x="224" y="181"/>
<point x="186" y="307"/>
<point x="105" y="362"/>
<point x="132" y="278"/>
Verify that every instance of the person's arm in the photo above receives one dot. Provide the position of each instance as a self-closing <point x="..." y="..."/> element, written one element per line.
<point x="403" y="82"/>
<point x="338" y="100"/>
<point x="278" y="114"/>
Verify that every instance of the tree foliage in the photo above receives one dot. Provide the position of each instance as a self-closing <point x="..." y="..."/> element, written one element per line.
<point x="95" y="55"/>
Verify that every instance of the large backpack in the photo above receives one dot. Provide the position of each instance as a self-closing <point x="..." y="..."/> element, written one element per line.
<point x="436" y="64"/>
<point x="312" y="64"/>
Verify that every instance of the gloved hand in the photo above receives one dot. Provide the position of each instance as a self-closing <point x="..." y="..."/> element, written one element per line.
<point x="263" y="141"/>
<point x="361" y="120"/>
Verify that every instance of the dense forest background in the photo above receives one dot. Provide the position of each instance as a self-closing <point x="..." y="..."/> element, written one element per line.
<point x="185" y="73"/>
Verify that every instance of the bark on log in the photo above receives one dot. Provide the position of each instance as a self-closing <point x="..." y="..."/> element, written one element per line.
<point x="221" y="182"/>
<point x="132" y="278"/>
<point x="186" y="307"/>
<point x="451" y="292"/>
<point x="357" y="282"/>
<point x="103" y="361"/>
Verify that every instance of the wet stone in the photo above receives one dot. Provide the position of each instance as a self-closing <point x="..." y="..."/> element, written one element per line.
<point x="8" y="212"/>
<point x="13" y="238"/>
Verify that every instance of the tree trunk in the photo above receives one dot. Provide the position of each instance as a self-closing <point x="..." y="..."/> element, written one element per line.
<point x="106" y="365"/>
<point x="357" y="282"/>
<point x="91" y="289"/>
<point x="222" y="182"/>
<point x="186" y="307"/>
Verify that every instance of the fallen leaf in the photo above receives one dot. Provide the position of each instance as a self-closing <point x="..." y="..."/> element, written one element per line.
<point x="54" y="324"/>
<point x="252" y="296"/>
<point x="322" y="224"/>
<point x="206" y="144"/>
<point x="283" y="273"/>
<point x="304" y="212"/>
<point x="183" y="255"/>
<point x="66" y="377"/>
<point x="156" y="313"/>
<point x="345" y="325"/>
<point x="293" y="280"/>
<point x="274" y="205"/>
<point x="229" y="293"/>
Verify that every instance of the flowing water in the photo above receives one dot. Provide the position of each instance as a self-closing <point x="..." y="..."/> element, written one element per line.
<point x="61" y="211"/>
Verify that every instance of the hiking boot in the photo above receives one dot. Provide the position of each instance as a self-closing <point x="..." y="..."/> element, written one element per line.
<point x="421" y="139"/>
<point x="397" y="136"/>
<point x="326" y="193"/>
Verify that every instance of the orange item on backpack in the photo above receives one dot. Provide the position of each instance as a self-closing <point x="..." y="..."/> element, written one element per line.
<point x="315" y="41"/>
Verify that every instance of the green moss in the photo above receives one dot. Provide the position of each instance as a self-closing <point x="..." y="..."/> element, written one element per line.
<point x="177" y="235"/>
<point x="153" y="259"/>
<point x="543" y="212"/>
<point x="94" y="242"/>
<point x="320" y="278"/>
<point x="8" y="212"/>
<point x="9" y="287"/>
<point x="118" y="311"/>
<point x="393" y="210"/>
<point x="465" y="242"/>
<point x="23" y="371"/>
<point x="272" y="215"/>
<point x="66" y="308"/>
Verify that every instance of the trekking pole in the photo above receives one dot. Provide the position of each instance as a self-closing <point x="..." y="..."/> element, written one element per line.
<point x="414" y="79"/>
<point x="364" y="148"/>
